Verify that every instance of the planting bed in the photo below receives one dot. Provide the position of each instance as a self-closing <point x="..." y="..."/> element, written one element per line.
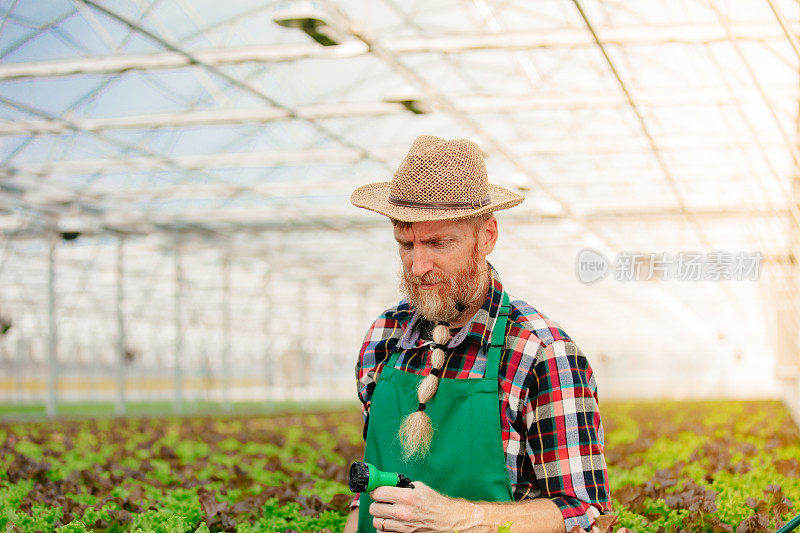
<point x="711" y="466"/>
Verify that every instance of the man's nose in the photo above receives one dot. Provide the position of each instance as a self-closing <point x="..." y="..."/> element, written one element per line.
<point x="421" y="262"/>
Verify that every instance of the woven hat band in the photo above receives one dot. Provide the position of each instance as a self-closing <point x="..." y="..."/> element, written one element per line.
<point x="474" y="204"/>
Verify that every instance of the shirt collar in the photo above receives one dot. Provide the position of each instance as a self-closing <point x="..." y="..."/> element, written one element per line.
<point x="478" y="329"/>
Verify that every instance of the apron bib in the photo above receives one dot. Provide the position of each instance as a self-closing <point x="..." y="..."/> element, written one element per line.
<point x="466" y="457"/>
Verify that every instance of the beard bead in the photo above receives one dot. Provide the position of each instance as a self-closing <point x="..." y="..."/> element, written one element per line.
<point x="427" y="388"/>
<point x="441" y="334"/>
<point x="437" y="358"/>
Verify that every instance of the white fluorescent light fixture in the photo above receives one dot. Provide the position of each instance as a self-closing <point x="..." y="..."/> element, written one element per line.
<point x="311" y="19"/>
<point x="410" y="100"/>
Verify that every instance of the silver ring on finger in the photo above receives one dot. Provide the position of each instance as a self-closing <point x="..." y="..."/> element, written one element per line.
<point x="383" y="525"/>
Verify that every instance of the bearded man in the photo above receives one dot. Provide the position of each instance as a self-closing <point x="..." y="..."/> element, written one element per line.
<point x="485" y="403"/>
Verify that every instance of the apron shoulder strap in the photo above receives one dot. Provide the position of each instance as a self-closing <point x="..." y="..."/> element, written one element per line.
<point x="393" y="357"/>
<point x="498" y="339"/>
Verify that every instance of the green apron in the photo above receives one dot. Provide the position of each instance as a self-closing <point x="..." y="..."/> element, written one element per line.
<point x="466" y="457"/>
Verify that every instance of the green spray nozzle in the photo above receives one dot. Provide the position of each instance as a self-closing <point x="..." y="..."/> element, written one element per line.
<point x="365" y="477"/>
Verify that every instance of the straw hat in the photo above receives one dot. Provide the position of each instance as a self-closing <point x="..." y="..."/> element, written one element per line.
<point x="437" y="180"/>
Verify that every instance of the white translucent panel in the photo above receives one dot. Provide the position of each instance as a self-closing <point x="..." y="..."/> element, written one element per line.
<point x="206" y="131"/>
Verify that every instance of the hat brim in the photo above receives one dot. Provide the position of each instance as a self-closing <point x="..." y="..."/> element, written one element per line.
<point x="375" y="197"/>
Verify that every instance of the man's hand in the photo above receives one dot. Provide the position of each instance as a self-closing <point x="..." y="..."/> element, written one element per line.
<point x="419" y="510"/>
<point x="423" y="510"/>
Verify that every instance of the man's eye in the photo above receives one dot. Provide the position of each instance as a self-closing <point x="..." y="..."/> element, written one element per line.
<point x="406" y="245"/>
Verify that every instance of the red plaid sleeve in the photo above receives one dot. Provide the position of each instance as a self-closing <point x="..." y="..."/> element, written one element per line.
<point x="565" y="434"/>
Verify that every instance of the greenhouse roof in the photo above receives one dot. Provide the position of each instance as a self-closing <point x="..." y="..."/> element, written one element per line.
<point x="235" y="132"/>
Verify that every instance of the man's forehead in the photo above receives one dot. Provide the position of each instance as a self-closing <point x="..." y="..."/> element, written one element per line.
<point x="431" y="229"/>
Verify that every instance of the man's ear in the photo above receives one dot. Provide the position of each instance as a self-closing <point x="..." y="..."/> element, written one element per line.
<point x="487" y="236"/>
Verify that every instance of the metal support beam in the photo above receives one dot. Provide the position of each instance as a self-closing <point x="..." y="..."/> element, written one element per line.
<point x="331" y="335"/>
<point x="321" y="156"/>
<point x="186" y="163"/>
<point x="20" y="363"/>
<point x="206" y="222"/>
<point x="52" y="337"/>
<point x="263" y="115"/>
<point x="178" y="326"/>
<point x="791" y="34"/>
<point x="242" y="85"/>
<point x="226" y="327"/>
<point x="268" y="345"/>
<point x="451" y="44"/>
<point x="434" y="95"/>
<point x="790" y="138"/>
<point x="302" y="378"/>
<point x="121" y="360"/>
<point x="787" y="309"/>
<point x="654" y="145"/>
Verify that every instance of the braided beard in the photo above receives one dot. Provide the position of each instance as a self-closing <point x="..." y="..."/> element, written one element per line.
<point x="440" y="303"/>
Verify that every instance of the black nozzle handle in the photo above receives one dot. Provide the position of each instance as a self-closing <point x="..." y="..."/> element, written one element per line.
<point x="404" y="482"/>
<point x="364" y="477"/>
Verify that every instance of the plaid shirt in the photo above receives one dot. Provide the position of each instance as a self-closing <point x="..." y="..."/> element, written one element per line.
<point x="552" y="433"/>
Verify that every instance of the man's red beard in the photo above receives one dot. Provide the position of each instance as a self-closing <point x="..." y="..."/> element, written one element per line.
<point x="440" y="302"/>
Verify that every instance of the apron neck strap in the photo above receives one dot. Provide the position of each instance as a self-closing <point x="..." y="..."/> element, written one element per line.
<point x="496" y="344"/>
<point x="393" y="358"/>
<point x="498" y="339"/>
